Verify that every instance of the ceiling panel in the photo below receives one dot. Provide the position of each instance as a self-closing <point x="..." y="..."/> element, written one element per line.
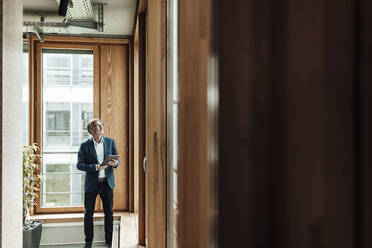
<point x="118" y="16"/>
<point x="40" y="5"/>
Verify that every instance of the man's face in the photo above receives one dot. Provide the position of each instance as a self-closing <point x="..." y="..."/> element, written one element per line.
<point x="96" y="128"/>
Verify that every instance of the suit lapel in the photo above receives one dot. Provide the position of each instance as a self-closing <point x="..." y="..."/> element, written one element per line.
<point x="105" y="147"/>
<point x="105" y="151"/>
<point x="93" y="150"/>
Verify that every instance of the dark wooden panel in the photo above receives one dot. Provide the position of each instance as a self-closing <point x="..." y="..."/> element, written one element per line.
<point x="339" y="121"/>
<point x="244" y="123"/>
<point x="304" y="168"/>
<point x="364" y="39"/>
<point x="142" y="6"/>
<point x="286" y="123"/>
<point x="279" y="131"/>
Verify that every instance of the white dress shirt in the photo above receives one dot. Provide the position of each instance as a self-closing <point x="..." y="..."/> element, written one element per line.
<point x="99" y="151"/>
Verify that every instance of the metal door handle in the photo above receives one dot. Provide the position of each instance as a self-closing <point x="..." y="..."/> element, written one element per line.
<point x="145" y="164"/>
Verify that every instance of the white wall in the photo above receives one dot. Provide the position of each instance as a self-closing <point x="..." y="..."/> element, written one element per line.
<point x="11" y="136"/>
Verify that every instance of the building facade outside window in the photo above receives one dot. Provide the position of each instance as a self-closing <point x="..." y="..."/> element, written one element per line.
<point x="67" y="102"/>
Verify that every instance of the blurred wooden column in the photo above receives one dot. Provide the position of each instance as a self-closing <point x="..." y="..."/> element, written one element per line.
<point x="364" y="60"/>
<point x="244" y="41"/>
<point x="195" y="58"/>
<point x="287" y="123"/>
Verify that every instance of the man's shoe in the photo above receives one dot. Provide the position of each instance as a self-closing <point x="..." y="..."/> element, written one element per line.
<point x="108" y="245"/>
<point x="88" y="245"/>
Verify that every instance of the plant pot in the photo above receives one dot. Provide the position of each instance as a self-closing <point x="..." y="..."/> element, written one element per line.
<point x="32" y="234"/>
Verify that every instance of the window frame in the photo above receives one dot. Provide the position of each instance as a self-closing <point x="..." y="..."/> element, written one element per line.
<point x="172" y="123"/>
<point x="38" y="107"/>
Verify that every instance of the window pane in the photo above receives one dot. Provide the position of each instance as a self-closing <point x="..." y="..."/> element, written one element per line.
<point x="57" y="124"/>
<point x="57" y="68"/>
<point x="57" y="200"/>
<point x="64" y="200"/>
<point x="67" y="90"/>
<point x="57" y="168"/>
<point x="57" y="183"/>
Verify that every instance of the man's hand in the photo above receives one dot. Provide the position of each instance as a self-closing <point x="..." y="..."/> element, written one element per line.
<point x="101" y="166"/>
<point x="112" y="163"/>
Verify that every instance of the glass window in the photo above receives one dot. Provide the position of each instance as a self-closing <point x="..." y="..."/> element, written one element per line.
<point x="67" y="102"/>
<point x="57" y="69"/>
<point x="172" y="125"/>
<point x="57" y="124"/>
<point x="86" y="70"/>
<point x="25" y="94"/>
<point x="63" y="186"/>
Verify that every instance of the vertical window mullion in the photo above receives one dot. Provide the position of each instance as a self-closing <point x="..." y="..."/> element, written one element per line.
<point x="172" y="122"/>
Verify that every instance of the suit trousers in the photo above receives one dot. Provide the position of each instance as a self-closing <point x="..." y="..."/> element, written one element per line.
<point x="107" y="195"/>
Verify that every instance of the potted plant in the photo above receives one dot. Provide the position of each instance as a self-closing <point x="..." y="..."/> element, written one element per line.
<point x="31" y="182"/>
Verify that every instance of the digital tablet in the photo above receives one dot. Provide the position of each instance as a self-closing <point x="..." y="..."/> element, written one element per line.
<point x="109" y="158"/>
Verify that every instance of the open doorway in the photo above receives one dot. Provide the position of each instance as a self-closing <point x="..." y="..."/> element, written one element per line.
<point x="80" y="66"/>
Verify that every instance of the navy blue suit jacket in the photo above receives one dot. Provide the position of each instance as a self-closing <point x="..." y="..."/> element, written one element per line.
<point x="87" y="161"/>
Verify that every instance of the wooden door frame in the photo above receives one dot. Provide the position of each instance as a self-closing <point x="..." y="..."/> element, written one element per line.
<point x="35" y="91"/>
<point x="38" y="106"/>
<point x="140" y="123"/>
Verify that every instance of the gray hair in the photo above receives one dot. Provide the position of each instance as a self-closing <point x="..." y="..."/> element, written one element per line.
<point x="89" y="124"/>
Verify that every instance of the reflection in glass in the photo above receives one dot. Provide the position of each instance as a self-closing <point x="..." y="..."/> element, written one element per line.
<point x="50" y="168"/>
<point x="57" y="183"/>
<point x="57" y="200"/>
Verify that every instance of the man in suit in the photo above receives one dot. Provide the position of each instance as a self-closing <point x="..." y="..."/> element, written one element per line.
<point x="99" y="178"/>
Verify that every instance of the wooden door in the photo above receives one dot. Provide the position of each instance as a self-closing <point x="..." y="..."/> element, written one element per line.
<point x="155" y="126"/>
